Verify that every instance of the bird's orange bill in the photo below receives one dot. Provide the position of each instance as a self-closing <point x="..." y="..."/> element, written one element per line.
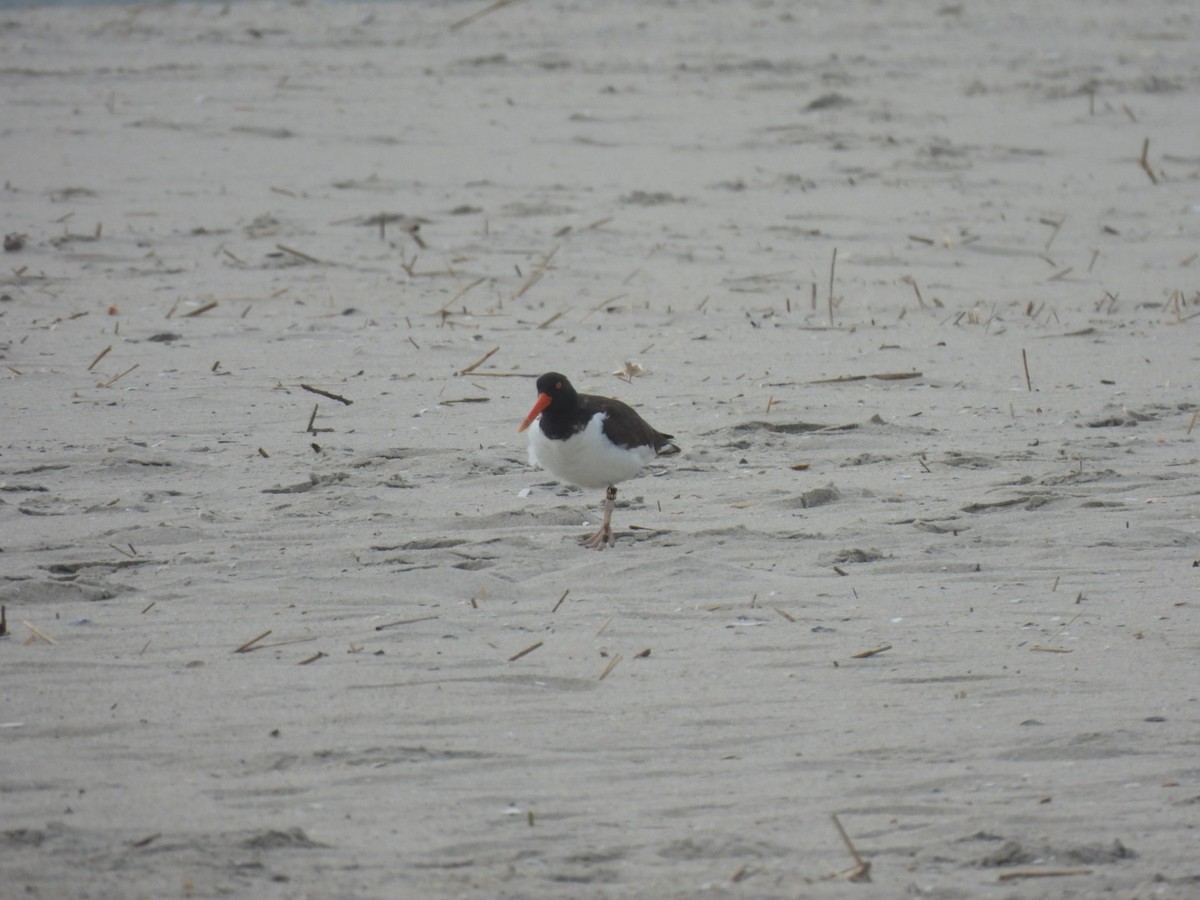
<point x="543" y="401"/>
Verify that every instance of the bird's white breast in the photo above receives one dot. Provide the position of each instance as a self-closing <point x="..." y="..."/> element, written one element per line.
<point x="587" y="459"/>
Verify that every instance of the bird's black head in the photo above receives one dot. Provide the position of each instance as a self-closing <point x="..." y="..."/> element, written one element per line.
<point x="555" y="386"/>
<point x="554" y="394"/>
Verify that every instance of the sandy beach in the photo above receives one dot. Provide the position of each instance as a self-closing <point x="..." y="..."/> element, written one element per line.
<point x="916" y="287"/>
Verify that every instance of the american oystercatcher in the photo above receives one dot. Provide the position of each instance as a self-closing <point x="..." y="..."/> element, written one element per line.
<point x="590" y="442"/>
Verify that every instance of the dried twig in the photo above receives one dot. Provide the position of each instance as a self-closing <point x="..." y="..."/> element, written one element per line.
<point x="1025" y="364"/>
<point x="862" y="867"/>
<point x="872" y="652"/>
<point x="249" y="645"/>
<point x="1041" y="873"/>
<point x="603" y="303"/>
<point x="832" y="266"/>
<point x="560" y="600"/>
<point x="524" y="652"/>
<point x="882" y="376"/>
<point x="536" y="275"/>
<point x="1145" y="163"/>
<point x="454" y="299"/>
<point x="404" y="622"/>
<point x="1057" y="225"/>
<point x="909" y="280"/>
<point x="38" y="633"/>
<point x="338" y="397"/>
<point x="320" y="654"/>
<point x="612" y="664"/>
<point x="103" y="353"/>
<point x="499" y="4"/>
<point x="297" y="253"/>
<point x="479" y="362"/>
<point x="201" y="310"/>
<point x="117" y="378"/>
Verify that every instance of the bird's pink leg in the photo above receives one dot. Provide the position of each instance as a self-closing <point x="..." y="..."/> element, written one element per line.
<point x="604" y="535"/>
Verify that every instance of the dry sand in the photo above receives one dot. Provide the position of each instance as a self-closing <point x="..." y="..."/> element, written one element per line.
<point x="600" y="183"/>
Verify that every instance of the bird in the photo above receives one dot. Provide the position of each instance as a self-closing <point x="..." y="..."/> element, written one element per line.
<point x="590" y="442"/>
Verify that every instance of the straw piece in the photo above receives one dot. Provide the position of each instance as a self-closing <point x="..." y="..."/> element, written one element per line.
<point x="249" y="645"/>
<point x="872" y="652"/>
<point x="200" y="310"/>
<point x="612" y="664"/>
<point x="1145" y="163"/>
<point x="479" y="362"/>
<point x="103" y="353"/>
<point x="296" y="253"/>
<point x="37" y="633"/>
<point x="338" y="397"/>
<point x="1041" y="873"/>
<point x="117" y="378"/>
<point x="525" y="652"/>
<point x="404" y="622"/>
<point x="462" y="23"/>
<point x="560" y="600"/>
<point x="862" y="867"/>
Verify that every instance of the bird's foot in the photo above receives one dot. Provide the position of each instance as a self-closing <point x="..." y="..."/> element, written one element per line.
<point x="604" y="534"/>
<point x="601" y="539"/>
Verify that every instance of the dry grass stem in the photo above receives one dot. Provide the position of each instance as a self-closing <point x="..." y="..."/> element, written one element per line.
<point x="862" y="867"/>
<point x="37" y="633"/>
<point x="1057" y="225"/>
<point x="612" y="664"/>
<point x="479" y="362"/>
<point x="525" y="652"/>
<point x="882" y="648"/>
<point x="404" y="622"/>
<point x="103" y="353"/>
<point x="881" y="376"/>
<point x="292" y="251"/>
<point x="467" y="20"/>
<point x="832" y="268"/>
<point x="1025" y="365"/>
<point x="1144" y="162"/>
<point x="909" y="280"/>
<point x="320" y="654"/>
<point x="603" y="303"/>
<point x="459" y="295"/>
<point x="1041" y="873"/>
<point x="560" y="600"/>
<point x="249" y="645"/>
<point x="304" y="640"/>
<point x="315" y="390"/>
<point x="201" y="310"/>
<point x="117" y="378"/>
<point x="536" y="275"/>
